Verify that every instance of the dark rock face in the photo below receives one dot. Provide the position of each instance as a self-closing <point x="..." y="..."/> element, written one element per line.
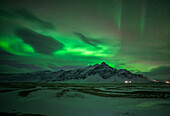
<point x="104" y="71"/>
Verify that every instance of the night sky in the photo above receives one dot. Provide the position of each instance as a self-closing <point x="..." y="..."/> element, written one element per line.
<point x="47" y="34"/>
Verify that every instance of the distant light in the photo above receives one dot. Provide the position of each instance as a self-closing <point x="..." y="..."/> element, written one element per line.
<point x="167" y="81"/>
<point x="155" y="80"/>
<point x="127" y="81"/>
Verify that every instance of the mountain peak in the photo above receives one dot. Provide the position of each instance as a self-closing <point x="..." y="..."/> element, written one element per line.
<point x="103" y="63"/>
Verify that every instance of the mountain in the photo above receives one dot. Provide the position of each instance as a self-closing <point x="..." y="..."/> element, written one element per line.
<point x="98" y="73"/>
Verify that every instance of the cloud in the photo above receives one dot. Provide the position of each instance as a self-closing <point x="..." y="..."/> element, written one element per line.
<point x="4" y="53"/>
<point x="9" y="69"/>
<point x="87" y="40"/>
<point x="160" y="73"/>
<point x="162" y="70"/>
<point x="10" y="20"/>
<point x="40" y="43"/>
<point x="6" y="14"/>
<point x="12" y="63"/>
<point x="54" y="68"/>
<point x="30" y="17"/>
<point x="4" y="68"/>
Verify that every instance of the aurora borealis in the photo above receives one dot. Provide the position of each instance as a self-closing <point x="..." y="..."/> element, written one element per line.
<point x="129" y="34"/>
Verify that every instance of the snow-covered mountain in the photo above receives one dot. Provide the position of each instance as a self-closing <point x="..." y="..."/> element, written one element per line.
<point x="102" y="73"/>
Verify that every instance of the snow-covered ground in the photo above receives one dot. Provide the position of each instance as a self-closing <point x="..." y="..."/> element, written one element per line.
<point x="86" y="99"/>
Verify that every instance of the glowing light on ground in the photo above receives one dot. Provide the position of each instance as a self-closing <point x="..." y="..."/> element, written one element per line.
<point x="167" y="81"/>
<point x="127" y="81"/>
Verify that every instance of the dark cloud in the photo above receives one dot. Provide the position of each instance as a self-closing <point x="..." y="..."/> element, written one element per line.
<point x="6" y="14"/>
<point x="4" y="53"/>
<point x="10" y="19"/>
<point x="9" y="69"/>
<point x="119" y="65"/>
<point x="162" y="70"/>
<point x="161" y="73"/>
<point x="30" y="17"/>
<point x="40" y="43"/>
<point x="86" y="40"/>
<point x="12" y="63"/>
<point x="65" y="67"/>
<point x="7" y="23"/>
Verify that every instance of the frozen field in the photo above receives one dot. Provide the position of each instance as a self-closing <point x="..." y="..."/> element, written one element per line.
<point x="61" y="99"/>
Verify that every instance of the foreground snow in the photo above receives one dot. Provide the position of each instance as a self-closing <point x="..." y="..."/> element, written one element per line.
<point x="85" y="99"/>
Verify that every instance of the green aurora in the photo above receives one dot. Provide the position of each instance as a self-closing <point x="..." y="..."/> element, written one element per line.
<point x="126" y="34"/>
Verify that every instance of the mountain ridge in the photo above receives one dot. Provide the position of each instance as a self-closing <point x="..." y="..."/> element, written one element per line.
<point x="101" y="73"/>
